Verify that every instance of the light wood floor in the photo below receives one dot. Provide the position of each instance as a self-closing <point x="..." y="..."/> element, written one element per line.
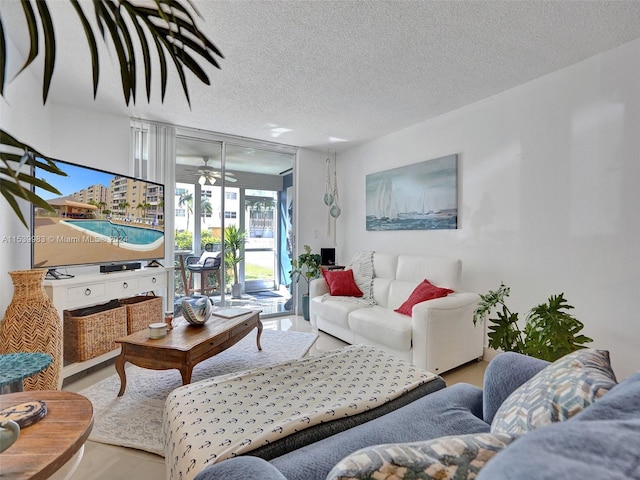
<point x="108" y="462"/>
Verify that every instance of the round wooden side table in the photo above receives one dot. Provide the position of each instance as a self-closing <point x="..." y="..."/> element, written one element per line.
<point x="44" y="447"/>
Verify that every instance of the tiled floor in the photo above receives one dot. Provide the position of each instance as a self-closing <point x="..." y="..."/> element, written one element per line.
<point x="107" y="462"/>
<point x="271" y="303"/>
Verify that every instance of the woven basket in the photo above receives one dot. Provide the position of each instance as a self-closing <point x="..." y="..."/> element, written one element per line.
<point x="142" y="310"/>
<point x="88" y="335"/>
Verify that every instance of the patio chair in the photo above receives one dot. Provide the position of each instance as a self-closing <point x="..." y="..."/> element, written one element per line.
<point x="208" y="266"/>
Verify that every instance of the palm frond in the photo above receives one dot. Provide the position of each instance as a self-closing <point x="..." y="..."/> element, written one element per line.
<point x="15" y="183"/>
<point x="125" y="25"/>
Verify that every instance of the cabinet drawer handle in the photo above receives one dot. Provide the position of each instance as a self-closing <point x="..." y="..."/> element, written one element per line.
<point x="87" y="292"/>
<point x="153" y="280"/>
<point x="125" y="285"/>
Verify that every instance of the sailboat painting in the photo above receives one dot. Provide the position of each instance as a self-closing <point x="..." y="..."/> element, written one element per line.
<point x="421" y="196"/>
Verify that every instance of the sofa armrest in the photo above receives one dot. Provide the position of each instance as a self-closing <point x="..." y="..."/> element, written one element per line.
<point x="241" y="468"/>
<point x="443" y="333"/>
<point x="318" y="287"/>
<point x="504" y="374"/>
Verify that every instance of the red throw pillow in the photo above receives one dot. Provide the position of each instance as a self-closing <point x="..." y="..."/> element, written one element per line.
<point x="341" y="283"/>
<point x="424" y="291"/>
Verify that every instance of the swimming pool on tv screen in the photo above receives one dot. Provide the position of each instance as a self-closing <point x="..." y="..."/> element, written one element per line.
<point x="134" y="235"/>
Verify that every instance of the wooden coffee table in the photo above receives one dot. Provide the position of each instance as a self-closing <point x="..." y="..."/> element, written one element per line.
<point x="47" y="445"/>
<point x="185" y="345"/>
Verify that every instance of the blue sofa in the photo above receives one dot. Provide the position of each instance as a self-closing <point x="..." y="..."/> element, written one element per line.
<point x="601" y="442"/>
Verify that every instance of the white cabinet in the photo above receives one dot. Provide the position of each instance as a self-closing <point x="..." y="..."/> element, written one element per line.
<point x="86" y="290"/>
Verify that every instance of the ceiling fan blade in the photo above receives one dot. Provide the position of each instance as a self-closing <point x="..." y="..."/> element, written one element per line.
<point x="210" y="174"/>
<point x="229" y="177"/>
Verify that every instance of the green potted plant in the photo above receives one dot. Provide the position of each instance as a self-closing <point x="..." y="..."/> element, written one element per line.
<point x="234" y="240"/>
<point x="307" y="267"/>
<point x="550" y="331"/>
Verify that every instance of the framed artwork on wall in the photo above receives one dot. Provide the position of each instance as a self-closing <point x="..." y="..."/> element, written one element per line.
<point x="421" y="196"/>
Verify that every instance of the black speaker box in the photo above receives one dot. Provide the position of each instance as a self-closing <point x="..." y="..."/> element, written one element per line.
<point x="119" y="267"/>
<point x="328" y="256"/>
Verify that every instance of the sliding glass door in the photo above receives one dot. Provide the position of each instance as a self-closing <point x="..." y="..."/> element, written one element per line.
<point x="223" y="181"/>
<point x="261" y="252"/>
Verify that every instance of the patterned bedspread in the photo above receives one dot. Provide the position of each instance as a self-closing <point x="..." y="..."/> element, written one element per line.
<point x="230" y="415"/>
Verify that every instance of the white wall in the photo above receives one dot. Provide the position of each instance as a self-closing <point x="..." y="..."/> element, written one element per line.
<point x="311" y="226"/>
<point x="549" y="177"/>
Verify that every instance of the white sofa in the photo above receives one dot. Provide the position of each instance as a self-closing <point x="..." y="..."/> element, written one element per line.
<point x="440" y="334"/>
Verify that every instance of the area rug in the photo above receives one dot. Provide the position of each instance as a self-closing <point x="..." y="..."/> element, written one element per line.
<point x="135" y="419"/>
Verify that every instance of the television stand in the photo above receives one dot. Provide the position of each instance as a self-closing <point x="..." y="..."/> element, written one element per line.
<point x="92" y="289"/>
<point x="53" y="274"/>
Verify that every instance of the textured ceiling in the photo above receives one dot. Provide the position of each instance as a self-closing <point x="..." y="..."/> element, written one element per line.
<point x="307" y="73"/>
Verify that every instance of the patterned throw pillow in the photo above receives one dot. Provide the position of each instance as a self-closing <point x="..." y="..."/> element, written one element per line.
<point x="362" y="266"/>
<point x="557" y="393"/>
<point x="455" y="457"/>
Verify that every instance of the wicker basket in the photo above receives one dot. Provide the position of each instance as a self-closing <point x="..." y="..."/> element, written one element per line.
<point x="89" y="332"/>
<point x="141" y="311"/>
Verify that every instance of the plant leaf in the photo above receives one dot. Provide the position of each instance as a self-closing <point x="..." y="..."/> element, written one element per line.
<point x="145" y="47"/>
<point x="32" y="25"/>
<point x="112" y="27"/>
<point x="11" y="179"/>
<point x="130" y="54"/>
<point x="174" y="32"/>
<point x="93" y="46"/>
<point x="3" y="58"/>
<point x="49" y="47"/>
<point x="163" y="68"/>
<point x="168" y="29"/>
<point x="104" y="16"/>
<point x="10" y="197"/>
<point x="551" y="331"/>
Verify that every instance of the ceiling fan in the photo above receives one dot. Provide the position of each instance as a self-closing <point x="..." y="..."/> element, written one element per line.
<point x="208" y="174"/>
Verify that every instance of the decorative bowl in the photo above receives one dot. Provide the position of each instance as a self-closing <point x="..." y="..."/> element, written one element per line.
<point x="197" y="312"/>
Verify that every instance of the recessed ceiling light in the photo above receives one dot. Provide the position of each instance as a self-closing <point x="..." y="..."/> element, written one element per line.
<point x="337" y="140"/>
<point x="276" y="132"/>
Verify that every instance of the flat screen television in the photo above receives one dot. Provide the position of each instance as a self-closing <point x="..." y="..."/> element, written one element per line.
<point x="100" y="218"/>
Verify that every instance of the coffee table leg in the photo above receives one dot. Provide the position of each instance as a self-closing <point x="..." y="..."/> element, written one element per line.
<point x="185" y="373"/>
<point x="121" y="373"/>
<point x="259" y="333"/>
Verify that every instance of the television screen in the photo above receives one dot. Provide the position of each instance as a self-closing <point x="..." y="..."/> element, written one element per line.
<point x="100" y="218"/>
